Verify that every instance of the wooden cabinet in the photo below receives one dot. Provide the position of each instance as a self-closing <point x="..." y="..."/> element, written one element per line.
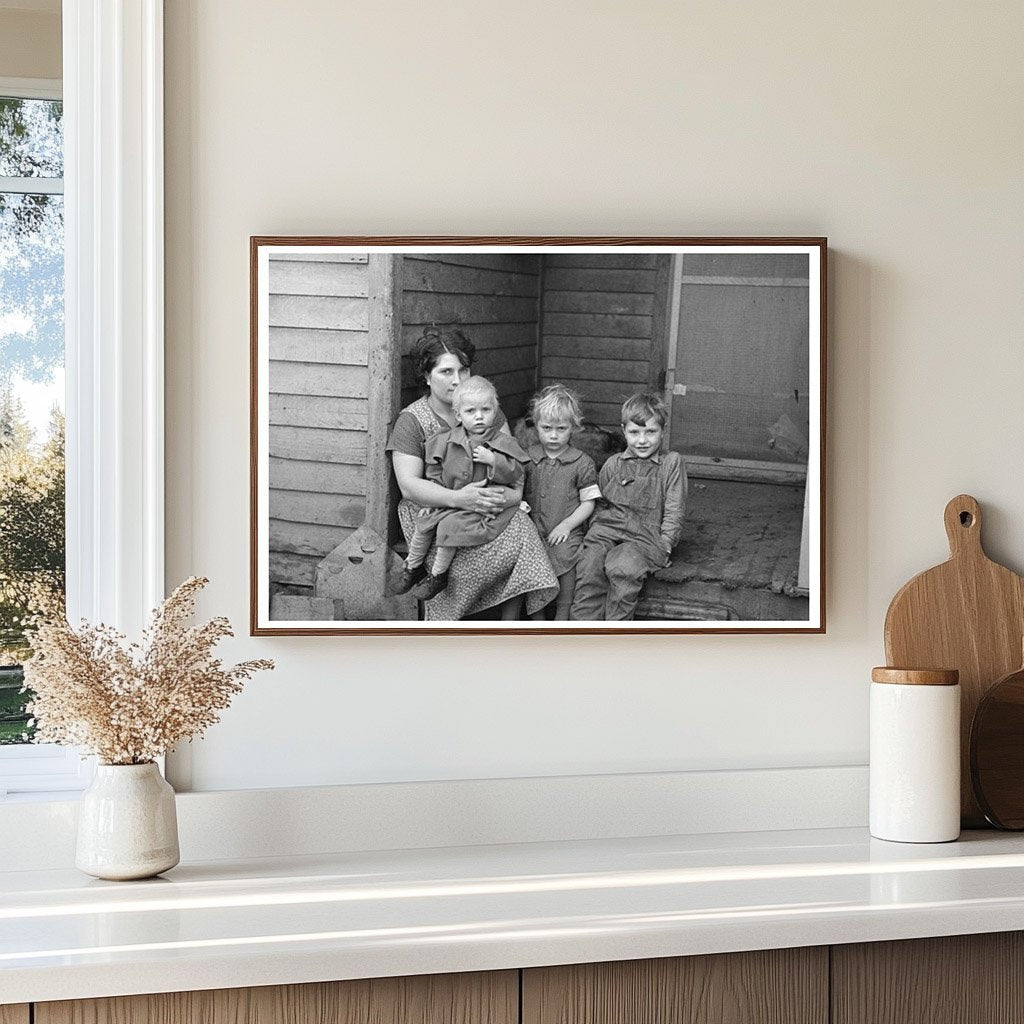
<point x="491" y="998"/>
<point x="776" y="986"/>
<point x="967" y="979"/>
<point x="961" y="979"/>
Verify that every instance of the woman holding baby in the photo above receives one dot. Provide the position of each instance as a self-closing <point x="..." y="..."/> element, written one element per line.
<point x="503" y="572"/>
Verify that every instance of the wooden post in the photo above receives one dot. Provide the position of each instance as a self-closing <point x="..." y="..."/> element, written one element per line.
<point x="675" y="299"/>
<point x="355" y="574"/>
<point x="385" y="379"/>
<point x="803" y="578"/>
<point x="660" y="323"/>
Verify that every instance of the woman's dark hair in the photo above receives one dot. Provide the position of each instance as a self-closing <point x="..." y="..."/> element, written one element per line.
<point x="435" y="342"/>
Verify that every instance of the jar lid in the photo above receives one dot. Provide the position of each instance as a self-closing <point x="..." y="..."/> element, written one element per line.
<point x="916" y="676"/>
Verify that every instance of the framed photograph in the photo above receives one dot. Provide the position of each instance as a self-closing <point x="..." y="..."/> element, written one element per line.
<point x="537" y="435"/>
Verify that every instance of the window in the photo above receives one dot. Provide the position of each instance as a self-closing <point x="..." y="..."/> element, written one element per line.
<point x="113" y="331"/>
<point x="31" y="381"/>
<point x="32" y="531"/>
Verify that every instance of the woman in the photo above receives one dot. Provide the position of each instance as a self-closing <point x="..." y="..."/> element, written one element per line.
<point x="496" y="575"/>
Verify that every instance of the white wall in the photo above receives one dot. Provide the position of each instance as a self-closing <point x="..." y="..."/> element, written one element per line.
<point x="894" y="129"/>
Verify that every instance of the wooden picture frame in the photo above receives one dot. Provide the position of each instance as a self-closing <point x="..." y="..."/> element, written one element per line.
<point x="730" y="333"/>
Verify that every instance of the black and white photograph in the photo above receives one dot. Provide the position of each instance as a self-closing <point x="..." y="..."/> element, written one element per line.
<point x="537" y="435"/>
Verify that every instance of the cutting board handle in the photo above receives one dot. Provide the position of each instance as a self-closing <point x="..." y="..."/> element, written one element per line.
<point x="963" y="526"/>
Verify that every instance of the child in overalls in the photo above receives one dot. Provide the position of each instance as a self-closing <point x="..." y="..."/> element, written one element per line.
<point x="477" y="449"/>
<point x="561" y="488"/>
<point x="639" y="520"/>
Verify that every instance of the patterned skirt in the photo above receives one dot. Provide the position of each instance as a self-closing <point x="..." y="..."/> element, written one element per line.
<point x="514" y="563"/>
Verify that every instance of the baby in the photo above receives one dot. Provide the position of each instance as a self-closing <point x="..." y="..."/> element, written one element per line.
<point x="474" y="450"/>
<point x="561" y="487"/>
<point x="643" y="496"/>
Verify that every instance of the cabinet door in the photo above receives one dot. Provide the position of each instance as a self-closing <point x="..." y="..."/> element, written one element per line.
<point x="777" y="986"/>
<point x="482" y="998"/>
<point x="14" y="1014"/>
<point x="960" y="979"/>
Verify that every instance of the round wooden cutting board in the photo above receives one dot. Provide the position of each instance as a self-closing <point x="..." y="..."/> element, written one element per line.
<point x="967" y="614"/>
<point x="997" y="752"/>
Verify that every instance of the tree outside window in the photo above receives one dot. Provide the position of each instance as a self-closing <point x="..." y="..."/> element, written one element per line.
<point x="32" y="544"/>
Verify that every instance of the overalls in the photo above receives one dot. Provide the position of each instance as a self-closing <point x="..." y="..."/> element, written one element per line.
<point x="623" y="545"/>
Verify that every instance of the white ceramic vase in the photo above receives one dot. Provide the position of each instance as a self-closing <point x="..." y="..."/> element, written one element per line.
<point x="127" y="825"/>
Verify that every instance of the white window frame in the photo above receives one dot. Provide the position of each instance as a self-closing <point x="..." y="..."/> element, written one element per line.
<point x="114" y="322"/>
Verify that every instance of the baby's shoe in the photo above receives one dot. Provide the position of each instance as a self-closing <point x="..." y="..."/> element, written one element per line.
<point x="408" y="578"/>
<point x="431" y="586"/>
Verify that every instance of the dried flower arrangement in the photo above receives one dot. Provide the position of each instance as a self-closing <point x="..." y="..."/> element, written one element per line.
<point x="129" y="704"/>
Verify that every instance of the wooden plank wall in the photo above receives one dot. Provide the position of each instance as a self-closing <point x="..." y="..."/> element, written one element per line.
<point x="318" y="408"/>
<point x="494" y="299"/>
<point x="603" y="327"/>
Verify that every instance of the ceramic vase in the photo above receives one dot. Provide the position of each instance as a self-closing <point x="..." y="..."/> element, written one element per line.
<point x="127" y="825"/>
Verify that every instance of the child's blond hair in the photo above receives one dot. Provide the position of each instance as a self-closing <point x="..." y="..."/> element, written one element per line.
<point x="557" y="402"/>
<point x="475" y="387"/>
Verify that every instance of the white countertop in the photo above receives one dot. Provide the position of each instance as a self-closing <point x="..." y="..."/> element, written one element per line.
<point x="224" y="924"/>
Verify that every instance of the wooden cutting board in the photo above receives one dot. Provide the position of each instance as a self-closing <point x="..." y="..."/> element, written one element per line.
<point x="997" y="752"/>
<point x="967" y="614"/>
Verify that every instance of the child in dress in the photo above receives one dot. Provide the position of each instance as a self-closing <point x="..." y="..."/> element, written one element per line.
<point x="643" y="497"/>
<point x="477" y="449"/>
<point x="561" y="488"/>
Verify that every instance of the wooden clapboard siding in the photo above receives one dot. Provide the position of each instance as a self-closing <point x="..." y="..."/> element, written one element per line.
<point x="486" y="337"/>
<point x="325" y="312"/>
<point x="444" y="276"/>
<point x="639" y="303"/>
<point x="515" y="262"/>
<point x="518" y="382"/>
<point x="624" y="370"/>
<point x="318" y="407"/>
<point x="317" y="477"/>
<point x="492" y="364"/>
<point x="585" y="323"/>
<point x="318" y="445"/>
<point x="348" y="279"/>
<point x="602" y="392"/>
<point x="609" y="414"/>
<point x="467" y="309"/>
<point x="311" y="345"/>
<point x="558" y="346"/>
<point x="602" y="321"/>
<point x="293" y="570"/>
<point x="325" y="379"/>
<point x="319" y="411"/>
<point x="311" y="539"/>
<point x="494" y="299"/>
<point x="326" y="509"/>
<point x="321" y="257"/>
<point x="601" y="278"/>
<point x="602" y="261"/>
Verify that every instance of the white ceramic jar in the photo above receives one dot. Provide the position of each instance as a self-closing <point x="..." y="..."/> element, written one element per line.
<point x="127" y="824"/>
<point x="915" y="755"/>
